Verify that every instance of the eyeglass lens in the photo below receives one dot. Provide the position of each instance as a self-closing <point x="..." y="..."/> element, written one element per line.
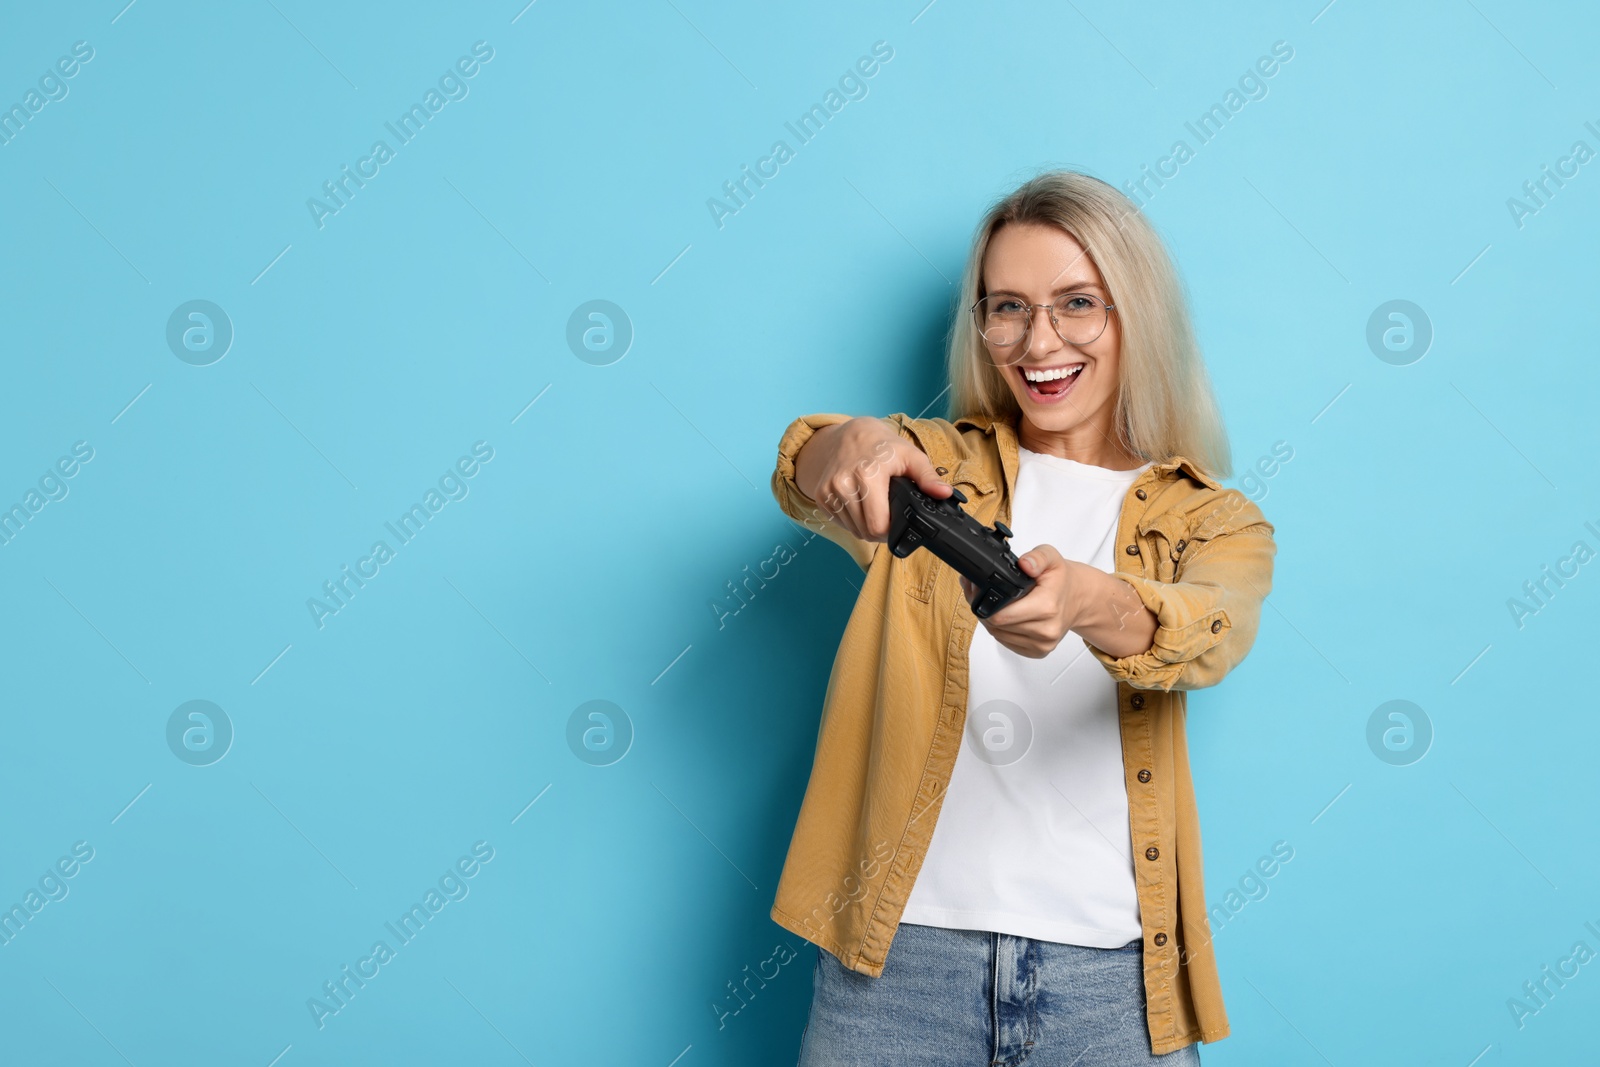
<point x="1004" y="321"/>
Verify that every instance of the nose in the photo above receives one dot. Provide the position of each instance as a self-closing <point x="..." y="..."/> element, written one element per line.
<point x="1042" y="339"/>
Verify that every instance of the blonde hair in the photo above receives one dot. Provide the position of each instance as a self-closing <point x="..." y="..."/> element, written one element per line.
<point x="1165" y="406"/>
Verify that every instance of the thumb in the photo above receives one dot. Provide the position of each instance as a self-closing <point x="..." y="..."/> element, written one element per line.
<point x="1037" y="560"/>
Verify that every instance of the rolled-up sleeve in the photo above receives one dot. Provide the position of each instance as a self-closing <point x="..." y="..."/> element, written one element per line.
<point x="803" y="509"/>
<point x="1206" y="623"/>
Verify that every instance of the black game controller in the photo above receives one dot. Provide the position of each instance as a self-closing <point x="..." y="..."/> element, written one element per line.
<point x="980" y="554"/>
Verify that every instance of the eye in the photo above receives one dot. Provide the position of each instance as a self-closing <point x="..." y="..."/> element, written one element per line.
<point x="1076" y="303"/>
<point x="1005" y="305"/>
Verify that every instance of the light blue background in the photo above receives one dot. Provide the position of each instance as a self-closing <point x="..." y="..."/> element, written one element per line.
<point x="428" y="313"/>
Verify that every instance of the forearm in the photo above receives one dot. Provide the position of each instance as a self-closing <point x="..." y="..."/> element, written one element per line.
<point x="1110" y="614"/>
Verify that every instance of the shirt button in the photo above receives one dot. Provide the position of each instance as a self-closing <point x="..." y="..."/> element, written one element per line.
<point x="1139" y="493"/>
<point x="1137" y="700"/>
<point x="939" y="469"/>
<point x="1216" y="625"/>
<point x="1144" y="776"/>
<point x="1132" y="550"/>
<point x="1160" y="939"/>
<point x="1151" y="853"/>
<point x="1181" y="544"/>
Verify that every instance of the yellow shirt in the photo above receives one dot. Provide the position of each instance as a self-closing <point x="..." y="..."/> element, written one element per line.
<point x="1199" y="556"/>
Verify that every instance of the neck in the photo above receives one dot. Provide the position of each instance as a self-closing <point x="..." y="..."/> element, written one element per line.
<point x="1086" y="443"/>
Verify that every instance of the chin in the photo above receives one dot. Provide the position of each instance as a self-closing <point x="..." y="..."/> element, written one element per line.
<point x="1065" y="412"/>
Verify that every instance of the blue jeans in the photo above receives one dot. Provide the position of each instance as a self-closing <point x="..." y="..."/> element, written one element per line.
<point x="972" y="998"/>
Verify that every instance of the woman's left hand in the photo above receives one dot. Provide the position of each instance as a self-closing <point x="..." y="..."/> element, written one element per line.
<point x="1035" y="623"/>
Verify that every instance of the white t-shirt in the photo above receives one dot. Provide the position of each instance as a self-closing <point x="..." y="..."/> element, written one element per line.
<point x="1032" y="838"/>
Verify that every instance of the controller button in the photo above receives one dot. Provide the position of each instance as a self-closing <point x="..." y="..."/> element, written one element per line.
<point x="957" y="495"/>
<point x="1003" y="530"/>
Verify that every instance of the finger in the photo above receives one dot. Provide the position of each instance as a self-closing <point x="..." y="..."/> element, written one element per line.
<point x="845" y="511"/>
<point x="856" y="508"/>
<point x="1022" y="613"/>
<point x="863" y="496"/>
<point x="875" y="507"/>
<point x="1039" y="559"/>
<point x="1012" y="618"/>
<point x="1021" y="647"/>
<point x="837" y="509"/>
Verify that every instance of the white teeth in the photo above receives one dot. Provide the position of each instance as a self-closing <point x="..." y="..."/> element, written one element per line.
<point x="1052" y="375"/>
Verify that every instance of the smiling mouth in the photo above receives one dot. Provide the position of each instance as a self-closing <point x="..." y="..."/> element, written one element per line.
<point x="1051" y="381"/>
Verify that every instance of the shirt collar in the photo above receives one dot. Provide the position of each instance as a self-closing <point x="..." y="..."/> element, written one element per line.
<point x="1004" y="430"/>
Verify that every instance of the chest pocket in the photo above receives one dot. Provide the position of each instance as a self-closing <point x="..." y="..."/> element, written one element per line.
<point x="923" y="568"/>
<point x="970" y="477"/>
<point x="1171" y="541"/>
<point x="1164" y="545"/>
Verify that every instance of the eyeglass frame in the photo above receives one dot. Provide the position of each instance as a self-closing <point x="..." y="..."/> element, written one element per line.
<point x="1027" y="331"/>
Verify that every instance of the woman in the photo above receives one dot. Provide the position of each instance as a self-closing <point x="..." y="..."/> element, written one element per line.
<point x="998" y="853"/>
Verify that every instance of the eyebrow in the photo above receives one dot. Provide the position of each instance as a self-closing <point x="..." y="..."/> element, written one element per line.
<point x="1071" y="287"/>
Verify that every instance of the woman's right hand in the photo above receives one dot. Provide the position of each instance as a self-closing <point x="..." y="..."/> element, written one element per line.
<point x="846" y="469"/>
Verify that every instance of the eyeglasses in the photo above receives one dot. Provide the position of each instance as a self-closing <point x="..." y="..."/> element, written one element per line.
<point x="1004" y="321"/>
